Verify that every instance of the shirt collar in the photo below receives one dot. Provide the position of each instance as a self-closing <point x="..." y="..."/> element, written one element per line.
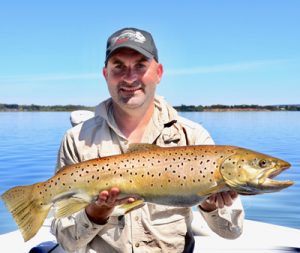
<point x="163" y="115"/>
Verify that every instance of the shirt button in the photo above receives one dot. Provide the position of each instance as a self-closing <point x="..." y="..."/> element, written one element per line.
<point x="137" y="245"/>
<point x="136" y="218"/>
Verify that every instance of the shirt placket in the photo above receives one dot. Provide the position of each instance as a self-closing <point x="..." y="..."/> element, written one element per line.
<point x="136" y="231"/>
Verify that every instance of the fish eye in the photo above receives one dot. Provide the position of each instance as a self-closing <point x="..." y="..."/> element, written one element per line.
<point x="263" y="163"/>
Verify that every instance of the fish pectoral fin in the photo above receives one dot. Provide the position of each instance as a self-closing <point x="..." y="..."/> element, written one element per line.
<point x="126" y="208"/>
<point x="64" y="207"/>
<point x="136" y="147"/>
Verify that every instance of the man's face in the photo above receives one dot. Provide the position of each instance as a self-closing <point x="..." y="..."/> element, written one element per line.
<point x="132" y="78"/>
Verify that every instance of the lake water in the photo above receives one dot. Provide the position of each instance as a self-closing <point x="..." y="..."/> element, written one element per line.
<point x="29" y="144"/>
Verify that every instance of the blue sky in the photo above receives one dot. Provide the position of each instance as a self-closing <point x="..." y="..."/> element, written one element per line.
<point x="213" y="52"/>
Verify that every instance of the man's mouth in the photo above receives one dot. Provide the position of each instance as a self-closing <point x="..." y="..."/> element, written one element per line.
<point x="130" y="89"/>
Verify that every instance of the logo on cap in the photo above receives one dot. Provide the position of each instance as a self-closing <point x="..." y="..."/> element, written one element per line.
<point x="126" y="35"/>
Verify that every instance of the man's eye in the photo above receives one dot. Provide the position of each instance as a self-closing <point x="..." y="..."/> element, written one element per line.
<point x="140" y="65"/>
<point x="118" y="66"/>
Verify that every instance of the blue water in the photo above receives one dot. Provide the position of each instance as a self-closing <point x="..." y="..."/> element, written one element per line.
<point x="29" y="143"/>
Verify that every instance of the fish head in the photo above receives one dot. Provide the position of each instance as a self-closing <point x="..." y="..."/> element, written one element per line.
<point x="248" y="172"/>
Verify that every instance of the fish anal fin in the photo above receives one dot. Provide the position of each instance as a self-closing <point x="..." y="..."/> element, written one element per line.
<point x="65" y="205"/>
<point x="126" y="208"/>
<point x="135" y="147"/>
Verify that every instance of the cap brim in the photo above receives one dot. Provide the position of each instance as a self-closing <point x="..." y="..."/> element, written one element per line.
<point x="136" y="48"/>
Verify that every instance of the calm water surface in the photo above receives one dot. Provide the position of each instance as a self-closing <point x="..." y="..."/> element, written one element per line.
<point x="29" y="144"/>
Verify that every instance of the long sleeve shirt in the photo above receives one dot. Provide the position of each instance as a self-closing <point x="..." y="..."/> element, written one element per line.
<point x="152" y="228"/>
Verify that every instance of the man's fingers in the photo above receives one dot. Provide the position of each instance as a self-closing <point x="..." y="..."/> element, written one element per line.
<point x="125" y="200"/>
<point x="233" y="194"/>
<point x="220" y="201"/>
<point x="226" y="198"/>
<point x="113" y="196"/>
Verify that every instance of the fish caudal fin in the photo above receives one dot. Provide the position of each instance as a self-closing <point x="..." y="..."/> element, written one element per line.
<point x="28" y="212"/>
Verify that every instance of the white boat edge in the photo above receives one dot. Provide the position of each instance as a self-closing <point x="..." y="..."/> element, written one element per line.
<point x="257" y="236"/>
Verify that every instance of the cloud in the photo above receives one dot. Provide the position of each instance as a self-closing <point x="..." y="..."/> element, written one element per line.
<point x="223" y="68"/>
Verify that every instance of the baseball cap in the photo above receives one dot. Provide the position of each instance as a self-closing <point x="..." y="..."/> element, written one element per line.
<point x="133" y="38"/>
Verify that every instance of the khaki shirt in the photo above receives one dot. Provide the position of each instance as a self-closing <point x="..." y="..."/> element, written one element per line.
<point x="152" y="228"/>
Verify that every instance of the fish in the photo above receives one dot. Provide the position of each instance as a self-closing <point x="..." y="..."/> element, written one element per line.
<point x="174" y="176"/>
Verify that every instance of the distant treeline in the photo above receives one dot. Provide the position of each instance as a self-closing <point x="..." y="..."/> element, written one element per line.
<point x="200" y="108"/>
<point x="182" y="108"/>
<point x="37" y="108"/>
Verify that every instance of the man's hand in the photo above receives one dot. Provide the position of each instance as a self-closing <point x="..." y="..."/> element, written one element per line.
<point x="218" y="200"/>
<point x="99" y="211"/>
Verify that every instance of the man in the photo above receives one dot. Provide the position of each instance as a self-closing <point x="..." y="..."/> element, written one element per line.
<point x="135" y="114"/>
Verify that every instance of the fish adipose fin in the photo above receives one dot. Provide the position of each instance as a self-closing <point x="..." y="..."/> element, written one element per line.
<point x="27" y="209"/>
<point x="69" y="203"/>
<point x="126" y="208"/>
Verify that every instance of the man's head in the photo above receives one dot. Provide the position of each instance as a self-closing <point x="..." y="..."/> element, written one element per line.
<point x="131" y="70"/>
<point x="133" y="38"/>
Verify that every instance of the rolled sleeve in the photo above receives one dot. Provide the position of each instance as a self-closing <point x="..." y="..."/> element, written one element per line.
<point x="76" y="231"/>
<point x="226" y="222"/>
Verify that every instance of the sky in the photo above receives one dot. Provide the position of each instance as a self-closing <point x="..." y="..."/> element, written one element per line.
<point x="227" y="52"/>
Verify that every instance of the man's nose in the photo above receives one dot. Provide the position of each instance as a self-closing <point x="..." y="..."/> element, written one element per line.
<point x="130" y="76"/>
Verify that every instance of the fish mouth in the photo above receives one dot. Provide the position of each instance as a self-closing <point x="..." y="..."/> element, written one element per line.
<point x="275" y="185"/>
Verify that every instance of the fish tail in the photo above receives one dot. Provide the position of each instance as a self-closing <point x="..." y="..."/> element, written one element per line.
<point x="27" y="209"/>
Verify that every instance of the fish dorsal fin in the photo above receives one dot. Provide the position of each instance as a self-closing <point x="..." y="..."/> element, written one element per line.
<point x="136" y="147"/>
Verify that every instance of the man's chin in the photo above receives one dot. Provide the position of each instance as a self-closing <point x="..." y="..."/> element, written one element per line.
<point x="133" y="102"/>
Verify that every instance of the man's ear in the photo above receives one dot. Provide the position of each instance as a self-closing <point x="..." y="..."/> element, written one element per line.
<point x="160" y="71"/>
<point x="104" y="72"/>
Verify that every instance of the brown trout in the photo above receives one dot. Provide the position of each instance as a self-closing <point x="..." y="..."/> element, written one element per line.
<point x="177" y="176"/>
